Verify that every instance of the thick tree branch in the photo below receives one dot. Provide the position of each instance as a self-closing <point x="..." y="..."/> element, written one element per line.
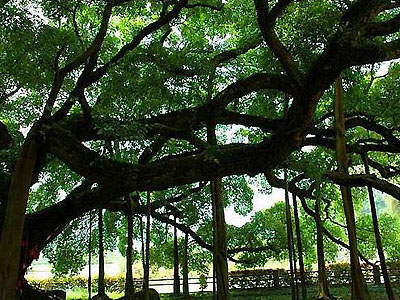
<point x="229" y="117"/>
<point x="384" y="171"/>
<point x="94" y="48"/>
<point x="152" y="150"/>
<point x="163" y="20"/>
<point x="5" y="137"/>
<point x="120" y="204"/>
<point x="180" y="124"/>
<point x="229" y="55"/>
<point x="360" y="180"/>
<point x="253" y="83"/>
<point x="169" y="171"/>
<point x="4" y="96"/>
<point x="90" y="54"/>
<point x="168" y="132"/>
<point x="266" y="21"/>
<point x="384" y="28"/>
<point x="184" y="229"/>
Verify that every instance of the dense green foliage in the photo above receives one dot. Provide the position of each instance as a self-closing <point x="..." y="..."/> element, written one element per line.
<point x="119" y="96"/>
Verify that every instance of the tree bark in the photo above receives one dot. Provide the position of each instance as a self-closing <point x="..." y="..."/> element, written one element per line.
<point x="147" y="269"/>
<point x="129" y="285"/>
<point x="323" y="290"/>
<point x="359" y="288"/>
<point x="377" y="233"/>
<point x="219" y="226"/>
<point x="143" y="248"/>
<point x="11" y="236"/>
<point x="90" y="258"/>
<point x="214" y="270"/>
<point x="300" y="250"/>
<point x="101" y="286"/>
<point x="177" y="285"/>
<point x="296" y="280"/>
<point x="289" y="232"/>
<point x="220" y="243"/>
<point x="185" y="269"/>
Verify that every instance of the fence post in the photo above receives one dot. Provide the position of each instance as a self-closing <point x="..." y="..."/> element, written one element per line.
<point x="275" y="275"/>
<point x="377" y="275"/>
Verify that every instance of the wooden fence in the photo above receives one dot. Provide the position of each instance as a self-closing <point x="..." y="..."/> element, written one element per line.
<point x="277" y="279"/>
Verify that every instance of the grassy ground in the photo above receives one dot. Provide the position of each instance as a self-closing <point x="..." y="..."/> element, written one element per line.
<point x="80" y="294"/>
<point x="377" y="293"/>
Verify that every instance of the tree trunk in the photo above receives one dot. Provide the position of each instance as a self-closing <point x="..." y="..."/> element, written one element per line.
<point x="90" y="258"/>
<point x="11" y="236"/>
<point x="101" y="286"/>
<point x="359" y="287"/>
<point x="300" y="250"/>
<point x="129" y="285"/>
<point x="185" y="269"/>
<point x="177" y="285"/>
<point x="296" y="280"/>
<point x="142" y="248"/>
<point x="377" y="233"/>
<point x="147" y="266"/>
<point x="289" y="231"/>
<point x="219" y="226"/>
<point x="220" y="243"/>
<point x="214" y="271"/>
<point x="323" y="290"/>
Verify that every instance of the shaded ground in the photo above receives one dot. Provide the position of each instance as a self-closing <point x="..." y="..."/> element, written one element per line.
<point x="377" y="293"/>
